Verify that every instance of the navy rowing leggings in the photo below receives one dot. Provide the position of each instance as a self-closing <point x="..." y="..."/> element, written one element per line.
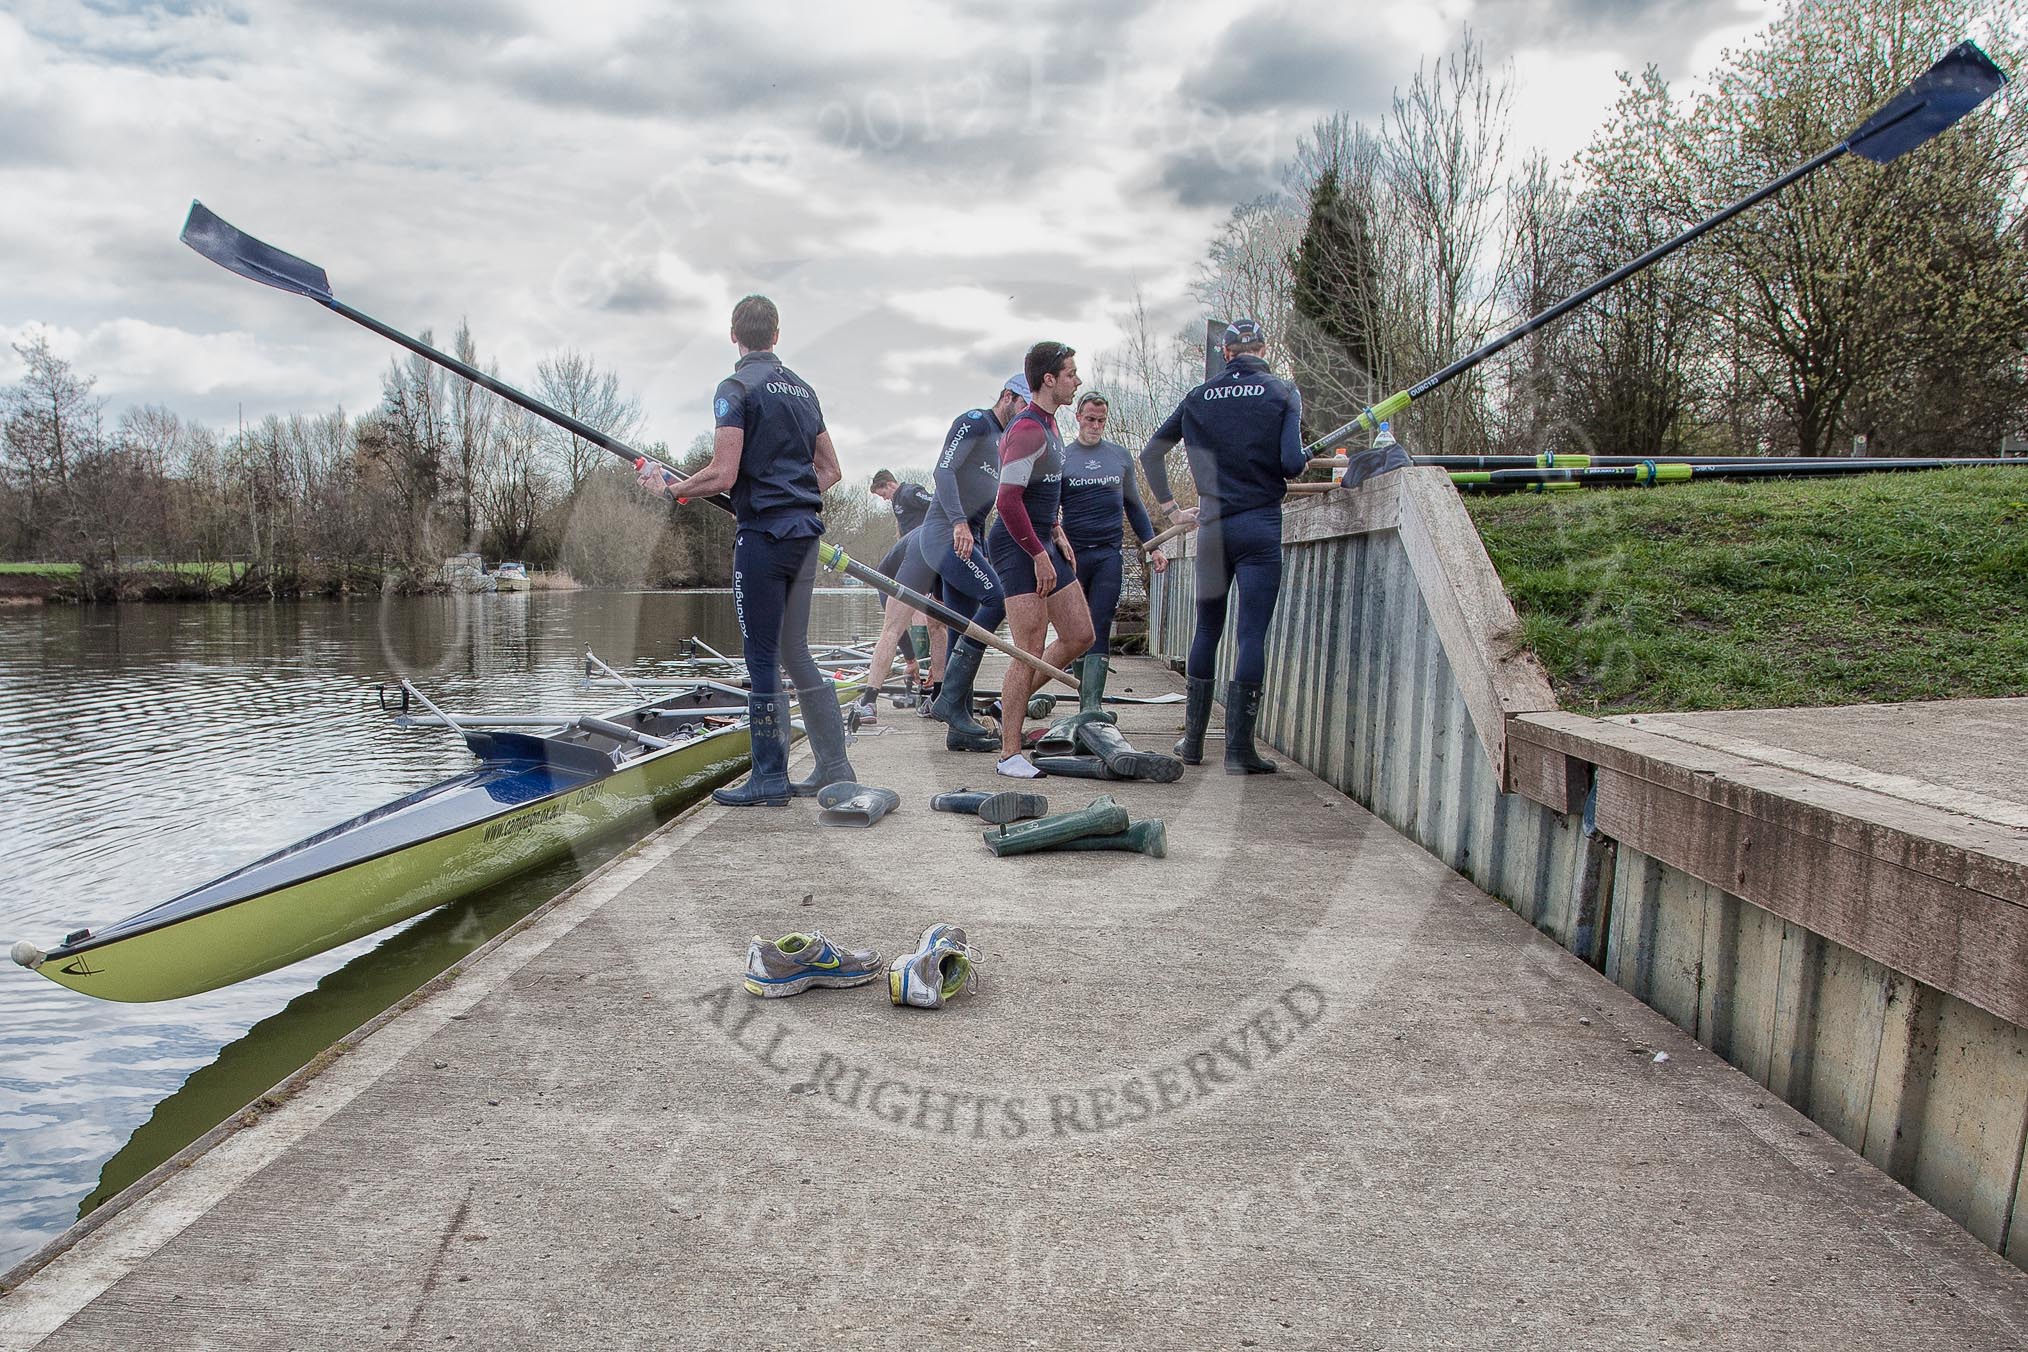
<point x="1099" y="571"/>
<point x="1243" y="551"/>
<point x="771" y="585"/>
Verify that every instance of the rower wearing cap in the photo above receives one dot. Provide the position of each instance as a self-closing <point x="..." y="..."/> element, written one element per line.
<point x="1242" y="432"/>
<point x="1032" y="554"/>
<point x="947" y="550"/>
<point x="772" y="452"/>
<point x="1099" y="489"/>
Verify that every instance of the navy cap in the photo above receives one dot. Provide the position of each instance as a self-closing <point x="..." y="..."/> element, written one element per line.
<point x="1241" y="331"/>
<point x="1018" y="384"/>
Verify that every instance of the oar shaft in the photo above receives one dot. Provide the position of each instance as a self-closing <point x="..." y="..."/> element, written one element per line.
<point x="837" y="559"/>
<point x="575" y="426"/>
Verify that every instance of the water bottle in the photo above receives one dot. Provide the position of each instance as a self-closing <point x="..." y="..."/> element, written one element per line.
<point x="1384" y="438"/>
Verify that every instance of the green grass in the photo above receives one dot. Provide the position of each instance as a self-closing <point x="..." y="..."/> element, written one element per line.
<point x="41" y="569"/>
<point x="1772" y="595"/>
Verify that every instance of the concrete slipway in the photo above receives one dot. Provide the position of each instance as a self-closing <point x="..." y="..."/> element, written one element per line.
<point x="1296" y="1086"/>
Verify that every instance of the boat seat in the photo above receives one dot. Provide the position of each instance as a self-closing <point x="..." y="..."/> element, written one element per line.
<point x="521" y="746"/>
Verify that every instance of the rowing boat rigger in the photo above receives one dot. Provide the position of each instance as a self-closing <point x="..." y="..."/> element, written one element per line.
<point x="532" y="797"/>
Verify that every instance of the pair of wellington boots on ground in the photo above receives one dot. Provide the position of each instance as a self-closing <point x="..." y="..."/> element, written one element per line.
<point x="1101" y="824"/>
<point x="768" y="731"/>
<point x="1242" y="707"/>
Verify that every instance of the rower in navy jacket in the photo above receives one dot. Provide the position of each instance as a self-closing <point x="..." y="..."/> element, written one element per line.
<point x="1098" y="489"/>
<point x="772" y="452"/>
<point x="949" y="551"/>
<point x="1242" y="431"/>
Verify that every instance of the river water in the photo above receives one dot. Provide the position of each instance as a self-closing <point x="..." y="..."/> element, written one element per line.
<point x="145" y="749"/>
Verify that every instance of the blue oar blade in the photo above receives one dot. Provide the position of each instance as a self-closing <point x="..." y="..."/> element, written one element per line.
<point x="236" y="251"/>
<point x="1964" y="79"/>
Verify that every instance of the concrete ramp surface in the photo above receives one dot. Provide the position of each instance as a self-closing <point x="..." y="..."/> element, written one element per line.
<point x="1295" y="1086"/>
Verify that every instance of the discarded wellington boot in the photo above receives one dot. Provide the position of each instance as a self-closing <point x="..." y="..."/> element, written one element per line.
<point x="954" y="705"/>
<point x="1091" y="682"/>
<point x="1104" y="741"/>
<point x="1011" y="805"/>
<point x="1148" y="837"/>
<point x="1100" y="817"/>
<point x="825" y="726"/>
<point x="1061" y="738"/>
<point x="849" y="804"/>
<point x="1189" y="747"/>
<point x="768" y="785"/>
<point x="962" y="800"/>
<point x="1075" y="767"/>
<point x="1242" y="707"/>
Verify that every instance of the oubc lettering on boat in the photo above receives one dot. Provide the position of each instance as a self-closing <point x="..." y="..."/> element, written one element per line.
<point x="1233" y="391"/>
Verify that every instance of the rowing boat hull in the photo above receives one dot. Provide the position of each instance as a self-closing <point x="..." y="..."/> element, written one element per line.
<point x="294" y="922"/>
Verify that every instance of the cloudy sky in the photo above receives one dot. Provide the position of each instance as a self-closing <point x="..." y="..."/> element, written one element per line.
<point x="925" y="189"/>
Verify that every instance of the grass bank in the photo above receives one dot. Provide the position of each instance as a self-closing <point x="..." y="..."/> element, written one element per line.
<point x="1772" y="595"/>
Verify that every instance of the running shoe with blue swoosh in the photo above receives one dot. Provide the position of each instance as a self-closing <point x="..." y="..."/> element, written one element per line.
<point x="793" y="963"/>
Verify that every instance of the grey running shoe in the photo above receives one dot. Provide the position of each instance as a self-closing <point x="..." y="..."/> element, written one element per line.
<point x="942" y="966"/>
<point x="795" y="962"/>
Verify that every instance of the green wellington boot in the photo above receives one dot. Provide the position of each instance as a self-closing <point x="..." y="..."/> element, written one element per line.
<point x="825" y="727"/>
<point x="1147" y="837"/>
<point x="1100" y="817"/>
<point x="1189" y="747"/>
<point x="768" y="785"/>
<point x="1242" y="707"/>
<point x="1091" y="682"/>
<point x="953" y="707"/>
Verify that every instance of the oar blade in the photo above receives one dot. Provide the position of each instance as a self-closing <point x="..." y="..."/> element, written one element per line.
<point x="236" y="251"/>
<point x="1965" y="78"/>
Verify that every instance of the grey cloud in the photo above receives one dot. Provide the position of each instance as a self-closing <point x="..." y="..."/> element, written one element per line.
<point x="1664" y="32"/>
<point x="1202" y="176"/>
<point x="693" y="63"/>
<point x="1277" y="60"/>
<point x="467" y="20"/>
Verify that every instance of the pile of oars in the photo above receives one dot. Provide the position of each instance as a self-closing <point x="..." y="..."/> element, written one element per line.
<point x="1543" y="474"/>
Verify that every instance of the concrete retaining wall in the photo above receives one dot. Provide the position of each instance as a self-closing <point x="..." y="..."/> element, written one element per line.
<point x="1869" y="968"/>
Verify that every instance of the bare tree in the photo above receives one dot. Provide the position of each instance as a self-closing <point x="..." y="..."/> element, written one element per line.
<point x="49" y="422"/>
<point x="571" y="382"/>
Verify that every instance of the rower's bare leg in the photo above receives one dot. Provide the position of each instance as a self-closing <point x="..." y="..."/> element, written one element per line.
<point x="938" y="643"/>
<point x="893" y="629"/>
<point x="1029" y="619"/>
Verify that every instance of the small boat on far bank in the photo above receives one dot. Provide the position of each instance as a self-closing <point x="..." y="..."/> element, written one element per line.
<point x="510" y="577"/>
<point x="532" y="796"/>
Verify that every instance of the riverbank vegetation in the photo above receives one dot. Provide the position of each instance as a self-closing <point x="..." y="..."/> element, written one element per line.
<point x="1771" y="594"/>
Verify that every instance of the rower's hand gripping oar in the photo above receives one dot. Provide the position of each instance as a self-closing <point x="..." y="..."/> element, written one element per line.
<point x="236" y="251"/>
<point x="1932" y="103"/>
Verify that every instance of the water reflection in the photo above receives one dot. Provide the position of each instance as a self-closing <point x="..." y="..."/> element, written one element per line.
<point x="145" y="749"/>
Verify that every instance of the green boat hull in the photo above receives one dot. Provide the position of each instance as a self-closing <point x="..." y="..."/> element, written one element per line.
<point x="251" y="936"/>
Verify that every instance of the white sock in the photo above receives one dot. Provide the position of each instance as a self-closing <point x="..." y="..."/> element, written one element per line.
<point x="1016" y="766"/>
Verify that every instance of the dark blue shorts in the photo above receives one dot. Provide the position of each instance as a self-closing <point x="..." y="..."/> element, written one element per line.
<point x="1016" y="566"/>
